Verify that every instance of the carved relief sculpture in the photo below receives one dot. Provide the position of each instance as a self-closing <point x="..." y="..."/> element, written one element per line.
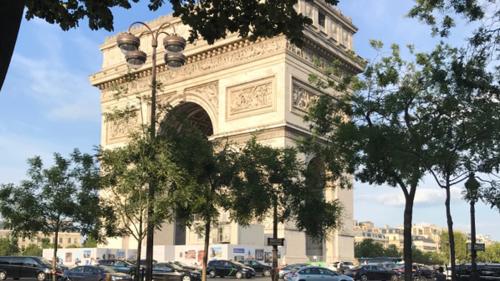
<point x="302" y="98"/>
<point x="255" y="97"/>
<point x="118" y="130"/>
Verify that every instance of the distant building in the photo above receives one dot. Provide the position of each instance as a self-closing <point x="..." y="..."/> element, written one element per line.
<point x="394" y="236"/>
<point x="65" y="239"/>
<point x="367" y="230"/>
<point x="425" y="237"/>
<point x="425" y="244"/>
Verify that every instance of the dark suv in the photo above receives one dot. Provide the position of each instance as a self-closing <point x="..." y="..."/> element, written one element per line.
<point x="225" y="268"/>
<point x="259" y="267"/>
<point x="26" y="267"/>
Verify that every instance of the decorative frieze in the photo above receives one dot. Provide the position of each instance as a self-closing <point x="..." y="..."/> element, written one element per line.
<point x="302" y="97"/>
<point x="255" y="97"/>
<point x="238" y="53"/>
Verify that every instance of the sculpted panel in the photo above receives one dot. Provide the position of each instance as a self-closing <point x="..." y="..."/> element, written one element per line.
<point x="255" y="97"/>
<point x="118" y="130"/>
<point x="302" y="97"/>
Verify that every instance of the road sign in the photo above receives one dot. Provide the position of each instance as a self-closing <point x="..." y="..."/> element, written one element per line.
<point x="480" y="247"/>
<point x="275" y="241"/>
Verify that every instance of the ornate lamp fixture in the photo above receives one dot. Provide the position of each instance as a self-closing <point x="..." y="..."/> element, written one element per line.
<point x="173" y="44"/>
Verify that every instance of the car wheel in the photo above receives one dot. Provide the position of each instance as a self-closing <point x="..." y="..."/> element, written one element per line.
<point x="364" y="278"/>
<point x="266" y="273"/>
<point x="239" y="275"/>
<point x="186" y="278"/>
<point x="40" y="276"/>
<point x="211" y="274"/>
<point x="3" y="275"/>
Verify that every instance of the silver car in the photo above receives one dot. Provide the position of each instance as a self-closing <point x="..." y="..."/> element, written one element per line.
<point x="315" y="273"/>
<point x="290" y="268"/>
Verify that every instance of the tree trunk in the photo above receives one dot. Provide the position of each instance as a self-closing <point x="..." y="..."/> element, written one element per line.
<point x="275" y="236"/>
<point x="138" y="264"/>
<point x="11" y="15"/>
<point x="473" y="252"/>
<point x="407" y="239"/>
<point x="54" y="257"/>
<point x="451" y="236"/>
<point x="205" y="252"/>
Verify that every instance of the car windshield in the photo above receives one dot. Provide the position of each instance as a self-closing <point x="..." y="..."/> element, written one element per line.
<point x="181" y="264"/>
<point x="44" y="262"/>
<point x="175" y="266"/>
<point x="107" y="269"/>
<point x="347" y="263"/>
<point x="238" y="263"/>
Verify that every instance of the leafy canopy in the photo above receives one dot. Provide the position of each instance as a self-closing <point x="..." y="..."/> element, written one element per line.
<point x="275" y="176"/>
<point x="209" y="19"/>
<point x="60" y="198"/>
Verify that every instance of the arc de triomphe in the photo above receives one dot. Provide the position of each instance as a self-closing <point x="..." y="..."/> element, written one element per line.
<point x="235" y="88"/>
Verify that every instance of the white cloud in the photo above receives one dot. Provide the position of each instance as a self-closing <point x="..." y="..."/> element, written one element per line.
<point x="423" y="197"/>
<point x="56" y="75"/>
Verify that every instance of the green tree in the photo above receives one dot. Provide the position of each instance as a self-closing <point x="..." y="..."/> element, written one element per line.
<point x="60" y="198"/>
<point x="440" y="14"/>
<point x="491" y="253"/>
<point x="434" y="115"/>
<point x="125" y="174"/>
<point x="460" y="246"/>
<point x="392" y="251"/>
<point x="368" y="249"/>
<point x="374" y="132"/>
<point x="209" y="167"/>
<point x="8" y="246"/>
<point x="32" y="250"/>
<point x="89" y="242"/>
<point x="463" y="118"/>
<point x="273" y="182"/>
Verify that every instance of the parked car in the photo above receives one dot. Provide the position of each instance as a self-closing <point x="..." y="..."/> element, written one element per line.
<point x="187" y="266"/>
<point x="27" y="267"/>
<point x="94" y="273"/>
<point x="259" y="267"/>
<point x="422" y="271"/>
<point x="172" y="272"/>
<point x="342" y="266"/>
<point x="119" y="265"/>
<point x="290" y="268"/>
<point x="225" y="268"/>
<point x="486" y="271"/>
<point x="314" y="273"/>
<point x="372" y="272"/>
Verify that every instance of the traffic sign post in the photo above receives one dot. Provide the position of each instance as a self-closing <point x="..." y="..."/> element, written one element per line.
<point x="275" y="241"/>
<point x="480" y="247"/>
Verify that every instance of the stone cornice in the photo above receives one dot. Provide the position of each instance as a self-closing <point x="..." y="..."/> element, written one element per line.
<point x="215" y="59"/>
<point x="229" y="55"/>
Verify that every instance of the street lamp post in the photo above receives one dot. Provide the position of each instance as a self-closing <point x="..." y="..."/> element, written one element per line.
<point x="174" y="45"/>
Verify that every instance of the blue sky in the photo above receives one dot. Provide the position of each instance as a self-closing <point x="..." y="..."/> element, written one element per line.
<point x="47" y="104"/>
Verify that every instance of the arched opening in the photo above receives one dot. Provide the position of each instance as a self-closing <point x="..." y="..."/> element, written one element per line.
<point x="174" y="122"/>
<point x="196" y="115"/>
<point x="315" y="178"/>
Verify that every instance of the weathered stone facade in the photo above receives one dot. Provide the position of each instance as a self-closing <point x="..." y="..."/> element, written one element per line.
<point x="244" y="87"/>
